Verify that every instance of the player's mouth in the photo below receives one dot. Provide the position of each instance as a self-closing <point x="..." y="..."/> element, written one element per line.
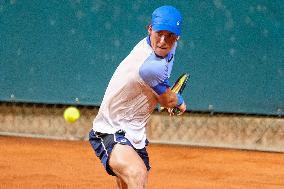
<point x="164" y="48"/>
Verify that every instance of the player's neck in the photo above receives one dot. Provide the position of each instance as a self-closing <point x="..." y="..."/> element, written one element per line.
<point x="161" y="57"/>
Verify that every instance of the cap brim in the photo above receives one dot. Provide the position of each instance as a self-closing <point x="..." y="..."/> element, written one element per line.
<point x="161" y="27"/>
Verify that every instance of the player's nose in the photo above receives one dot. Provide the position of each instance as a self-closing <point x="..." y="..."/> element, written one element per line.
<point x="162" y="39"/>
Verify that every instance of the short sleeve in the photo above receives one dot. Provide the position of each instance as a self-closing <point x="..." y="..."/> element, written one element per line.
<point x="154" y="70"/>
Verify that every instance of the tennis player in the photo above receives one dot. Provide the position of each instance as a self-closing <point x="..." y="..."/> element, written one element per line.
<point x="140" y="82"/>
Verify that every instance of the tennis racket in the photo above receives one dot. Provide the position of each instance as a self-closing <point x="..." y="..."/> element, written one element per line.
<point x="178" y="87"/>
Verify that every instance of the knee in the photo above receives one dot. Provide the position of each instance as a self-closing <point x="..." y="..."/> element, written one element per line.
<point x="137" y="174"/>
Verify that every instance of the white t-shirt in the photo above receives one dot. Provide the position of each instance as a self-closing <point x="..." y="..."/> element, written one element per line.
<point x="129" y="100"/>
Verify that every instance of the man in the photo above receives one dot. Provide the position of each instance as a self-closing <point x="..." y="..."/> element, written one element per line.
<point x="138" y="84"/>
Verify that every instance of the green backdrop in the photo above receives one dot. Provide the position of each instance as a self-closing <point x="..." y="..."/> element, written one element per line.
<point x="64" y="52"/>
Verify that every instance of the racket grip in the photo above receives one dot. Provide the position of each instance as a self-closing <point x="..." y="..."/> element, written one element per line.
<point x="176" y="111"/>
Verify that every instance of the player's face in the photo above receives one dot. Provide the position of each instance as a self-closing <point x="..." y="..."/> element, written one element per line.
<point x="162" y="41"/>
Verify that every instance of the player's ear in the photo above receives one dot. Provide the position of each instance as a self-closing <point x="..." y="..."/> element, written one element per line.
<point x="177" y="38"/>
<point x="149" y="29"/>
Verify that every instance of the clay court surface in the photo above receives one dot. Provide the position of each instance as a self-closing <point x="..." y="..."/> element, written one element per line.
<point x="29" y="163"/>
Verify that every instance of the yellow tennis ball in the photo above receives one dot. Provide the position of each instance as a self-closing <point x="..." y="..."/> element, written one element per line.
<point x="71" y="114"/>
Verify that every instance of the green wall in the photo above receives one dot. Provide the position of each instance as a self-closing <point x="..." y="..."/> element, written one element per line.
<point x="66" y="51"/>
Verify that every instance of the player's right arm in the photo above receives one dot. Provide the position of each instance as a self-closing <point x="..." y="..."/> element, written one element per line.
<point x="154" y="73"/>
<point x="170" y="100"/>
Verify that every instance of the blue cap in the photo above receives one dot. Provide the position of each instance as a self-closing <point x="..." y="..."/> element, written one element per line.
<point x="167" y="18"/>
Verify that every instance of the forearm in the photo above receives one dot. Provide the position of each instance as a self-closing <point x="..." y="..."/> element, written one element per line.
<point x="168" y="99"/>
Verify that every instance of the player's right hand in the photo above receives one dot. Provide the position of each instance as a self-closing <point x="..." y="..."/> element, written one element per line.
<point x="177" y="110"/>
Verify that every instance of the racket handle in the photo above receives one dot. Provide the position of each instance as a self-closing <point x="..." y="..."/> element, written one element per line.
<point x="176" y="111"/>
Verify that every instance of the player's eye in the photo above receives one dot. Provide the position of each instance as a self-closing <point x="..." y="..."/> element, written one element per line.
<point x="169" y="37"/>
<point x="172" y="36"/>
<point x="160" y="34"/>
